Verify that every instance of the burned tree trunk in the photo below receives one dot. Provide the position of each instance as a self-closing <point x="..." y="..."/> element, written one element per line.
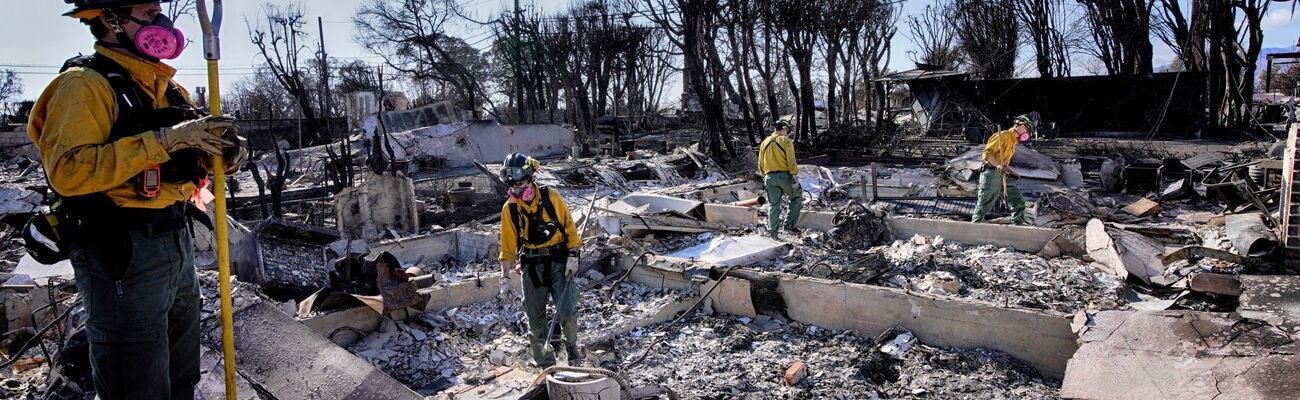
<point x="282" y="160"/>
<point x="690" y="28"/>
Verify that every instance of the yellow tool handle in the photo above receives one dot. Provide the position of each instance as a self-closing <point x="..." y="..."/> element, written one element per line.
<point x="212" y="52"/>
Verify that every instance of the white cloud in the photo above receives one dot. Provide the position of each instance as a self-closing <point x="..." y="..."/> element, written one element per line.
<point x="1277" y="19"/>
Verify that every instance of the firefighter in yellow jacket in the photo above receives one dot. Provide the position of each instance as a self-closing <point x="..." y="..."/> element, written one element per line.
<point x="997" y="179"/>
<point x="780" y="172"/>
<point x="537" y="231"/>
<point x="125" y="150"/>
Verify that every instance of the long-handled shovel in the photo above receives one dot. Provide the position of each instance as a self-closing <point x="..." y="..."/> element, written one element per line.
<point x="211" y="24"/>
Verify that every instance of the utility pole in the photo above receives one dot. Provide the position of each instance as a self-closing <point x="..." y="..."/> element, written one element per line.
<point x="324" y="78"/>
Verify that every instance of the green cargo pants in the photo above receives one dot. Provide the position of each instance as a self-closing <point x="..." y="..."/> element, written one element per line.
<point x="141" y="296"/>
<point x="781" y="184"/>
<point x="990" y="190"/>
<point x="551" y="284"/>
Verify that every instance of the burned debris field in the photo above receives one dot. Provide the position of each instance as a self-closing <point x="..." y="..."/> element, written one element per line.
<point x="670" y="199"/>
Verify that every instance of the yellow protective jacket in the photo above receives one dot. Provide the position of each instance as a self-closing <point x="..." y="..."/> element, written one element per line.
<point x="776" y="154"/>
<point x="1001" y="147"/>
<point x="70" y="124"/>
<point x="510" y="234"/>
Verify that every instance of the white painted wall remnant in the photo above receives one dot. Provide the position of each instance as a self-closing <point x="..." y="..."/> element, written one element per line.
<point x="460" y="143"/>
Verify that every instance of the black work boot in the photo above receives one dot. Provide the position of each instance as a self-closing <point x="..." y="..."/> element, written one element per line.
<point x="575" y="358"/>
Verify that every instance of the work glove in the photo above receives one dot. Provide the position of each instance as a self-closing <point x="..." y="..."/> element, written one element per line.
<point x="203" y="134"/>
<point x="1006" y="170"/>
<point x="504" y="293"/>
<point x="571" y="265"/>
<point x="236" y="155"/>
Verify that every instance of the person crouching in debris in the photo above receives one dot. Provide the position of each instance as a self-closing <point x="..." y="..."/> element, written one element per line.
<point x="997" y="179"/>
<point x="125" y="151"/>
<point x="777" y="164"/>
<point x="538" y="231"/>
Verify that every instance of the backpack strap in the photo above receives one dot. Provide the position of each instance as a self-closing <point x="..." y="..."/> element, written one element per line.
<point x="778" y="146"/>
<point x="132" y="103"/>
<point x="519" y="230"/>
<point x="516" y="216"/>
<point x="550" y="211"/>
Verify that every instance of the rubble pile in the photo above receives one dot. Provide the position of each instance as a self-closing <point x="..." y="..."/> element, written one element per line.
<point x="1001" y="276"/>
<point x="737" y="357"/>
<point x="611" y="305"/>
<point x="431" y="352"/>
<point x="242" y="295"/>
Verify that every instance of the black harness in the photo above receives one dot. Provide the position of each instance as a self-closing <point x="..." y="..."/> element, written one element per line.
<point x="531" y="229"/>
<point x="136" y="114"/>
<point x="94" y="217"/>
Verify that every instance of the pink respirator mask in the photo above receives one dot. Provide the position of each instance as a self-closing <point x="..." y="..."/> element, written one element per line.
<point x="524" y="194"/>
<point x="159" y="39"/>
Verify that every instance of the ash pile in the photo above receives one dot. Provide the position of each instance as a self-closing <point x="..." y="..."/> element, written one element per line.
<point x="1000" y="276"/>
<point x="709" y="356"/>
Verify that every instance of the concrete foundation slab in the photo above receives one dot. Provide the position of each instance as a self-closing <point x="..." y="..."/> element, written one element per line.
<point x="818" y="220"/>
<point x="732" y="297"/>
<point x="1028" y="239"/>
<point x="1272" y="298"/>
<point x="1181" y="355"/>
<point x="730" y="215"/>
<point x="1043" y="340"/>
<point x="299" y="364"/>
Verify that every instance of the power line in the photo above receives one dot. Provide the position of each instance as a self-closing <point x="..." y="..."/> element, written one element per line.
<point x="178" y="68"/>
<point x="47" y="73"/>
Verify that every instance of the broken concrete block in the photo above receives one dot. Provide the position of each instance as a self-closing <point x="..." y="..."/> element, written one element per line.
<point x="1221" y="284"/>
<point x="795" y="373"/>
<point x="1126" y="253"/>
<point x="651" y="204"/>
<point x="1142" y="208"/>
<point x="497" y="357"/>
<point x="380" y="203"/>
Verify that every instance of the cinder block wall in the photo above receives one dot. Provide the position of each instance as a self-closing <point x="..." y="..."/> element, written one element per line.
<point x="1290" y="231"/>
<point x="11" y="139"/>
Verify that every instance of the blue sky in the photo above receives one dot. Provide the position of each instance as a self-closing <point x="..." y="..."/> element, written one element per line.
<point x="40" y="39"/>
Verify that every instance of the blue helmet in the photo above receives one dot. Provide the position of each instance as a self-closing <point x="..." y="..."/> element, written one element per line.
<point x="517" y="168"/>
